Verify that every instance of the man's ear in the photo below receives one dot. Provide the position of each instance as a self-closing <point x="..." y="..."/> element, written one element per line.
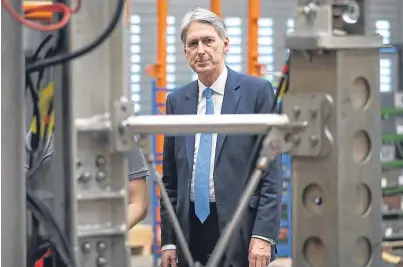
<point x="226" y="45"/>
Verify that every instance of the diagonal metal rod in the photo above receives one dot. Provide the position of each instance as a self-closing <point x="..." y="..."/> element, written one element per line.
<point x="171" y="214"/>
<point x="233" y="224"/>
<point x="273" y="144"/>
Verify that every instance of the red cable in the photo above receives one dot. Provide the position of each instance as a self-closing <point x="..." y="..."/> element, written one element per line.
<point x="56" y="7"/>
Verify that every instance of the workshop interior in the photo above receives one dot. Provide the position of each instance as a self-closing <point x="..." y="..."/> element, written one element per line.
<point x="87" y="75"/>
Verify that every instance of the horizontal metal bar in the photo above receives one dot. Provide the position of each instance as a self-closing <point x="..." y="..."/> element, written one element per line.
<point x="187" y="124"/>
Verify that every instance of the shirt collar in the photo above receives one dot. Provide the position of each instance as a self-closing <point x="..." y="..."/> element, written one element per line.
<point x="218" y="86"/>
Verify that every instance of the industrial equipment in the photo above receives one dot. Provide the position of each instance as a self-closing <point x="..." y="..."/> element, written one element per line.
<point x="330" y="125"/>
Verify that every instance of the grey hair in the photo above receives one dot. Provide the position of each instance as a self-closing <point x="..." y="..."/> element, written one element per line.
<point x="204" y="16"/>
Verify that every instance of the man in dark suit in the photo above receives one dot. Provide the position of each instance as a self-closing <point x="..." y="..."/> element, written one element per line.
<point x="204" y="173"/>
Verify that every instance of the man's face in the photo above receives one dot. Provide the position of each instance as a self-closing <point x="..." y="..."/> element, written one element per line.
<point x="204" y="49"/>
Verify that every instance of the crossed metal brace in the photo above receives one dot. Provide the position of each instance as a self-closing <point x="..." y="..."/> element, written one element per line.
<point x="277" y="141"/>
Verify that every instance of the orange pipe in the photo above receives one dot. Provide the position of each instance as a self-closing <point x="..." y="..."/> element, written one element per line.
<point x="254" y="68"/>
<point x="161" y="75"/>
<point x="39" y="15"/>
<point x="216" y="7"/>
<point x="161" y="68"/>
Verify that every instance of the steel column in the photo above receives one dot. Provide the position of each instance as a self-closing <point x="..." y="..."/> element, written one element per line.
<point x="13" y="226"/>
<point x="337" y="196"/>
<point x="98" y="80"/>
<point x="64" y="158"/>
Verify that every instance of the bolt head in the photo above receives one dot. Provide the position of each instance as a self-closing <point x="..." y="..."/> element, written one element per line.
<point x="86" y="247"/>
<point x="101" y="246"/>
<point x="101" y="262"/>
<point x="101" y="176"/>
<point x="314" y="140"/>
<point x="100" y="161"/>
<point x="85" y="177"/>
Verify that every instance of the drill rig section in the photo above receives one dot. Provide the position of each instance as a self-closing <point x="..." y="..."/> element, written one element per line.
<point x="336" y="198"/>
<point x="331" y="24"/>
<point x="98" y="80"/>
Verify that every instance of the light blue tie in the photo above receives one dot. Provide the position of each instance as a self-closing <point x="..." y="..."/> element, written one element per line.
<point x="202" y="171"/>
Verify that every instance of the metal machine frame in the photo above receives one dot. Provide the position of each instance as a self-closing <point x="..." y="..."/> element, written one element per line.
<point x="330" y="125"/>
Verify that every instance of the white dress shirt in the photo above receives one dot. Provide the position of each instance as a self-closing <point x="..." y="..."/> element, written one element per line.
<point x="217" y="96"/>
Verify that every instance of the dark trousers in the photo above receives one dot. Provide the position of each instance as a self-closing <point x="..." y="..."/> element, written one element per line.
<point x="203" y="236"/>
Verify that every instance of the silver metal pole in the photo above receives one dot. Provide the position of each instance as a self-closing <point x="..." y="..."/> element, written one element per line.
<point x="13" y="238"/>
<point x="190" y="124"/>
<point x="185" y="124"/>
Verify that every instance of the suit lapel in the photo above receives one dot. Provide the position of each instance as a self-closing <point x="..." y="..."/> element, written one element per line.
<point x="190" y="107"/>
<point x="230" y="102"/>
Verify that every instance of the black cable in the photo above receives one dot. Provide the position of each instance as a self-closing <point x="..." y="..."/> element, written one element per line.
<point x="35" y="146"/>
<point x="70" y="56"/>
<point x="44" y="215"/>
<point x="39" y="210"/>
<point x="259" y="140"/>
<point x="34" y="91"/>
<point x="47" y="62"/>
<point x="38" y="143"/>
<point x="34" y="140"/>
<point x="31" y="259"/>
<point x="43" y="249"/>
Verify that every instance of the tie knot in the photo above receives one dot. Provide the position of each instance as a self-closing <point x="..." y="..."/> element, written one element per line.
<point x="207" y="92"/>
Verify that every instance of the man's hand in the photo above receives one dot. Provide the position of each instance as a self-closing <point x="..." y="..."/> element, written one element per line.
<point x="259" y="253"/>
<point x="168" y="258"/>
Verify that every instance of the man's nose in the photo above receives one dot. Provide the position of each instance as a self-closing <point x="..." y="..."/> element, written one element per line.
<point x="200" y="49"/>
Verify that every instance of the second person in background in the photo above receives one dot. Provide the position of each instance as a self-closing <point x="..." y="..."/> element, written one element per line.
<point x="204" y="173"/>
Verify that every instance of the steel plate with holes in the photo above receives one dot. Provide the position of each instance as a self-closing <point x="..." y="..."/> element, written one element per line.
<point x="314" y="109"/>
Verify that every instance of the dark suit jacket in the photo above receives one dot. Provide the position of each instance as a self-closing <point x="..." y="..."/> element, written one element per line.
<point x="243" y="95"/>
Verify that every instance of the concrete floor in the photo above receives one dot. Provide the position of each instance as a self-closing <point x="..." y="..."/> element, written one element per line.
<point x="147" y="261"/>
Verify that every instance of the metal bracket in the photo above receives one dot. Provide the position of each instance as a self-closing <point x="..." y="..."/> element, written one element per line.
<point x="313" y="109"/>
<point x="122" y="139"/>
<point x="275" y="143"/>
